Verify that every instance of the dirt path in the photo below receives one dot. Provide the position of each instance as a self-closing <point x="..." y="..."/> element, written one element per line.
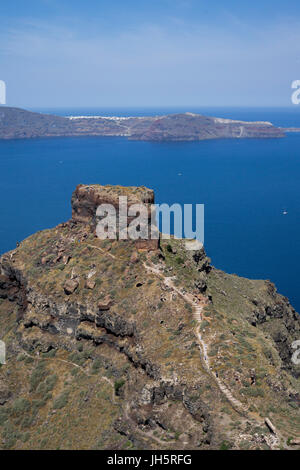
<point x="103" y="251"/>
<point x="148" y="434"/>
<point x="198" y="306"/>
<point x="73" y="364"/>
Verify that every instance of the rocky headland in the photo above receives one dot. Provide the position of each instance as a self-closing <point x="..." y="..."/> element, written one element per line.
<point x="113" y="344"/>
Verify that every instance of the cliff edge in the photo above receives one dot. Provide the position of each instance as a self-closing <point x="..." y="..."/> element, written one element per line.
<point x="112" y="346"/>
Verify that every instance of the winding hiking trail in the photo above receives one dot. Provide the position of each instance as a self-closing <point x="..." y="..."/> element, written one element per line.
<point x="198" y="306"/>
<point x="105" y="252"/>
<point x="147" y="434"/>
<point x="73" y="364"/>
<point x="197" y="313"/>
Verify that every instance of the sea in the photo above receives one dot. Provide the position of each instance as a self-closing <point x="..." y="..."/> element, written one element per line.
<point x="250" y="187"/>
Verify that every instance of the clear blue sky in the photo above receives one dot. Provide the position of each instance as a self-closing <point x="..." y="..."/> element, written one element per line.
<point x="149" y="52"/>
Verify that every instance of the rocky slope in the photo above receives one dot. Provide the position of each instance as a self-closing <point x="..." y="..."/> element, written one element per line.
<point x="19" y="124"/>
<point x="120" y="345"/>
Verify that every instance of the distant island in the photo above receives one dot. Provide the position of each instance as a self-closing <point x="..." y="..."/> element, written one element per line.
<point x="16" y="123"/>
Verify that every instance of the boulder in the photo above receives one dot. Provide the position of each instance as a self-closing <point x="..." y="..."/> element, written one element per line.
<point x="270" y="425"/>
<point x="134" y="257"/>
<point x="105" y="304"/>
<point x="295" y="442"/>
<point x="70" y="286"/>
<point x="90" y="284"/>
<point x="66" y="259"/>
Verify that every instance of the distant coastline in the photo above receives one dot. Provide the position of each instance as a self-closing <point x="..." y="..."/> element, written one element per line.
<point x="16" y="123"/>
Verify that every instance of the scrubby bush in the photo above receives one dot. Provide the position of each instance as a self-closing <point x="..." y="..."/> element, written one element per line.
<point x="252" y="392"/>
<point x="61" y="401"/>
<point x="48" y="385"/>
<point x="204" y="324"/>
<point x="118" y="385"/>
<point x="225" y="445"/>
<point x="3" y="416"/>
<point x="20" y="406"/>
<point x="37" y="376"/>
<point x="96" y="366"/>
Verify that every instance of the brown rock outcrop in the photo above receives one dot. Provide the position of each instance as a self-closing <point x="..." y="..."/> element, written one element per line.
<point x="87" y="198"/>
<point x="70" y="286"/>
<point x="90" y="284"/>
<point x="105" y="304"/>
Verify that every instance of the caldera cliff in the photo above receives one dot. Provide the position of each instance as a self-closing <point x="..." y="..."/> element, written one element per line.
<point x="112" y="344"/>
<point x="18" y="123"/>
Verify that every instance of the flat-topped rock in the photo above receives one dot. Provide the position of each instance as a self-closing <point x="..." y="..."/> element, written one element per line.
<point x="86" y="199"/>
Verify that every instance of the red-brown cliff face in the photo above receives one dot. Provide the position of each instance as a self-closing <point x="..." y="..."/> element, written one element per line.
<point x="87" y="198"/>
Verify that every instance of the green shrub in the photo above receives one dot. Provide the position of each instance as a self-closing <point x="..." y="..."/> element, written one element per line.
<point x="188" y="307"/>
<point x="293" y="405"/>
<point x="204" y="324"/>
<point x="51" y="353"/>
<point x="118" y="385"/>
<point x="37" y="404"/>
<point x="28" y="360"/>
<point x="225" y="445"/>
<point x="25" y="437"/>
<point x="37" y="376"/>
<point x="252" y="392"/>
<point x="20" y="406"/>
<point x="27" y="422"/>
<point x="3" y="416"/>
<point x="61" y="401"/>
<point x="96" y="366"/>
<point x="78" y="358"/>
<point x="21" y="357"/>
<point x="48" y="385"/>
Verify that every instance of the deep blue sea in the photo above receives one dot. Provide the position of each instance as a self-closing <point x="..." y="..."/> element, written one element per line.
<point x="245" y="186"/>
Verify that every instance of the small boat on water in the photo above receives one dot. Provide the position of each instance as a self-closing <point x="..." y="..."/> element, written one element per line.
<point x="284" y="212"/>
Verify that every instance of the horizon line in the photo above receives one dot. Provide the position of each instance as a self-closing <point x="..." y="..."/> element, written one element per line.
<point x="290" y="106"/>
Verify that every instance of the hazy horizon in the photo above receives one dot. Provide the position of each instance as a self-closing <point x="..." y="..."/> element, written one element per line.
<point x="149" y="54"/>
<point x="290" y="107"/>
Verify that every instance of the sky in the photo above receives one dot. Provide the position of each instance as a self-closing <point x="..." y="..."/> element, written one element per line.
<point x="64" y="53"/>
